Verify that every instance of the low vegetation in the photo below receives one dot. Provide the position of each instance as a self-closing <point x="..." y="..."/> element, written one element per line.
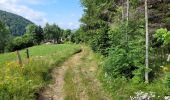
<point x="21" y="82"/>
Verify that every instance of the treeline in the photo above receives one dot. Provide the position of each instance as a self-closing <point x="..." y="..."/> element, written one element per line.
<point x="34" y="35"/>
<point x="15" y="22"/>
<point x="116" y="29"/>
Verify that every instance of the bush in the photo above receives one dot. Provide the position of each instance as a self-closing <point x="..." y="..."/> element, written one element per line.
<point x="163" y="35"/>
<point x="126" y="52"/>
<point x="100" y="42"/>
<point x="19" y="43"/>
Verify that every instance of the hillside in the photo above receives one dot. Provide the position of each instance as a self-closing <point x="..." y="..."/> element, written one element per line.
<point x="15" y="22"/>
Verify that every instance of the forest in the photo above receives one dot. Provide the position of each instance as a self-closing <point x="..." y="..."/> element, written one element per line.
<point x="126" y="40"/>
<point x="132" y="63"/>
<point x="15" y="23"/>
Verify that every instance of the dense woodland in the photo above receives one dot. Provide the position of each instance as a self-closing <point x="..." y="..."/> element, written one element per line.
<point x="15" y="23"/>
<point x="115" y="29"/>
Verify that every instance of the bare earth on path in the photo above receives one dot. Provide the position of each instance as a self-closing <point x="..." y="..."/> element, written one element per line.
<point x="75" y="80"/>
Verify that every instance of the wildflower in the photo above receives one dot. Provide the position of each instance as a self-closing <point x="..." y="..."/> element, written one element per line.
<point x="144" y="96"/>
<point x="165" y="69"/>
<point x="161" y="66"/>
<point x="140" y="95"/>
<point x="167" y="97"/>
<point x="30" y="60"/>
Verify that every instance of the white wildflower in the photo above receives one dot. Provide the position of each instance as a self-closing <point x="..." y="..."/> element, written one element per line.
<point x="168" y="59"/>
<point x="167" y="97"/>
<point x="161" y="66"/>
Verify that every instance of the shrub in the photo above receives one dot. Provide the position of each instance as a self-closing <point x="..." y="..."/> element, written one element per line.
<point x="126" y="52"/>
<point x="19" y="43"/>
<point x="163" y="34"/>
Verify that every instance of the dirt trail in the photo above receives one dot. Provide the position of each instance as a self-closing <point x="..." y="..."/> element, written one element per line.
<point x="75" y="80"/>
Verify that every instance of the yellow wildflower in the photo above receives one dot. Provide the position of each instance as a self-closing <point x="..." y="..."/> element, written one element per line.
<point x="165" y="69"/>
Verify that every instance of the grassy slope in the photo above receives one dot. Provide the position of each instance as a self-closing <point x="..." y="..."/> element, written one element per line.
<point x="42" y="50"/>
<point x="18" y="82"/>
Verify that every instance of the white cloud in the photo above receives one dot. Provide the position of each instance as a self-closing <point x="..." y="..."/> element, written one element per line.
<point x="39" y="2"/>
<point x="17" y="7"/>
<point x="70" y="25"/>
<point x="21" y="7"/>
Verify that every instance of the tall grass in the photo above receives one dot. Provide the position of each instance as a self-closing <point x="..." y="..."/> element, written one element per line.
<point x="23" y="82"/>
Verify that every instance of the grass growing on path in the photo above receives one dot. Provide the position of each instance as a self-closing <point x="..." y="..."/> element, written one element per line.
<point x="81" y="79"/>
<point x="71" y="88"/>
<point x="20" y="83"/>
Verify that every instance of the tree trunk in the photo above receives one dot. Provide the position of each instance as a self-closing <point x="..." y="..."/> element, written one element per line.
<point x="127" y="16"/>
<point x="123" y="13"/>
<point x="127" y="24"/>
<point x="147" y="43"/>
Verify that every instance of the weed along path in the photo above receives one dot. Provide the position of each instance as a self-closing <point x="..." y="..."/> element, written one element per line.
<point x="75" y="79"/>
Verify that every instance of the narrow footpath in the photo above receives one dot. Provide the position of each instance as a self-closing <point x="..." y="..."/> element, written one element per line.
<point x="76" y="79"/>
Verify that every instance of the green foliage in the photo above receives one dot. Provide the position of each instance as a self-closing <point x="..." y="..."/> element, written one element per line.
<point x="163" y="35"/>
<point x="53" y="33"/>
<point x="167" y="20"/>
<point x="4" y="36"/>
<point x="126" y="52"/>
<point x="95" y="27"/>
<point x="39" y="35"/>
<point x="167" y="80"/>
<point x="33" y="36"/>
<point x="67" y="35"/>
<point x="19" y="43"/>
<point x="15" y="23"/>
<point x="100" y="41"/>
<point x="79" y="36"/>
<point x="123" y="45"/>
<point x="36" y="32"/>
<point x="30" y="29"/>
<point x="135" y="3"/>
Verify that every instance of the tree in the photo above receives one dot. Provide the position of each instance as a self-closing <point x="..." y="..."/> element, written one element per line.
<point x="67" y="35"/>
<point x="4" y="36"/>
<point x="36" y="32"/>
<point x="53" y="33"/>
<point x="30" y="29"/>
<point x="39" y="36"/>
<point x="147" y="43"/>
<point x="47" y="32"/>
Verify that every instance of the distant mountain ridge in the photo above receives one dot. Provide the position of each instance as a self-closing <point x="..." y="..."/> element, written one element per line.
<point x="15" y="22"/>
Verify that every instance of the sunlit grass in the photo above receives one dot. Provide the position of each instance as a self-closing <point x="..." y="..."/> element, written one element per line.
<point x="21" y="82"/>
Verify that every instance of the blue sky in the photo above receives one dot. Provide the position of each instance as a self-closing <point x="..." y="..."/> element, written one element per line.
<point x="65" y="13"/>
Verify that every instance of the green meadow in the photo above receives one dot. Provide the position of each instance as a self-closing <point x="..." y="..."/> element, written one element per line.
<point x="20" y="82"/>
